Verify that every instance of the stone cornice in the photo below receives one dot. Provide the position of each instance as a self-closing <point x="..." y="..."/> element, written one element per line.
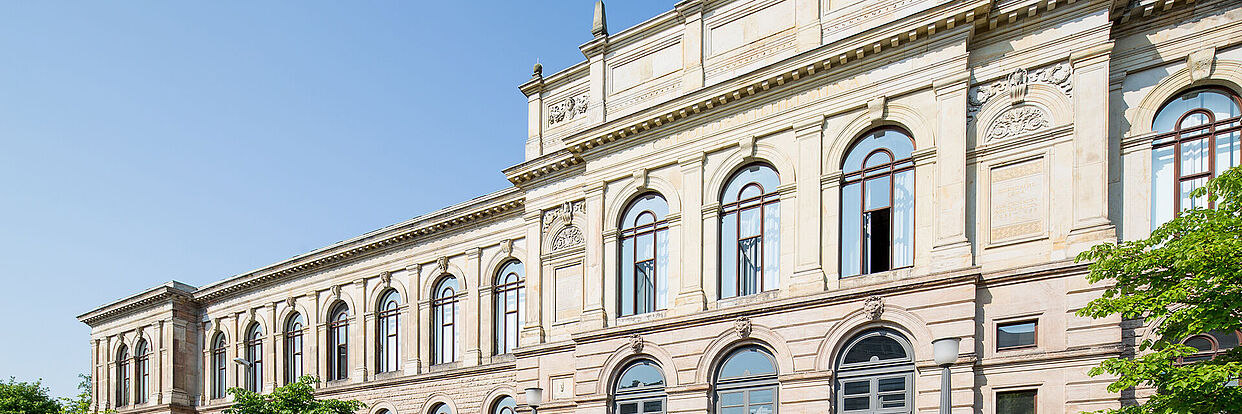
<point x="862" y="47"/>
<point x="451" y="217"/>
<point x="158" y="295"/>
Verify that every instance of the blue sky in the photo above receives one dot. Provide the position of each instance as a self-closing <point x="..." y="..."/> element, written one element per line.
<point x="146" y="141"/>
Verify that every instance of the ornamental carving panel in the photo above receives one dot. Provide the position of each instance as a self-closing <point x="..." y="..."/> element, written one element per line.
<point x="1015" y="85"/>
<point x="569" y="236"/>
<point x="1017" y="121"/>
<point x="567" y="109"/>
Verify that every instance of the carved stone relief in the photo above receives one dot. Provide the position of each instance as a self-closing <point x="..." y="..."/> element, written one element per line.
<point x="874" y="307"/>
<point x="1015" y="85"/>
<point x="564" y="214"/>
<point x="569" y="236"/>
<point x="636" y="343"/>
<point x="742" y="327"/>
<point x="1200" y="63"/>
<point x="1017" y="121"/>
<point x="567" y="109"/>
<point x="506" y="247"/>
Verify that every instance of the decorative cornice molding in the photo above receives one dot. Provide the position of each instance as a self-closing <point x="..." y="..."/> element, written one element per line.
<point x="162" y="294"/>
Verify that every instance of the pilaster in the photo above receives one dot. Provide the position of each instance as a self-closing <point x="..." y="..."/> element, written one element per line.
<point x="593" y="315"/>
<point x="952" y="250"/>
<point x="359" y="333"/>
<point x="532" y="330"/>
<point x="806" y="19"/>
<point x="690" y="295"/>
<point x="472" y="353"/>
<point x="411" y="334"/>
<point x="691" y="12"/>
<point x="534" y="110"/>
<point x="1091" y="93"/>
<point x="595" y="50"/>
<point x="808" y="275"/>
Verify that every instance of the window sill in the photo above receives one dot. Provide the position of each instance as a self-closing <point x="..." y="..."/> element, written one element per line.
<point x="336" y="383"/>
<point x="748" y="299"/>
<point x="877" y="277"/>
<point x="446" y="366"/>
<point x="642" y="317"/>
<point x="389" y="374"/>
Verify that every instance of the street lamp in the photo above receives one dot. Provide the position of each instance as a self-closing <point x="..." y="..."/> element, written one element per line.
<point x="946" y="350"/>
<point x="249" y="365"/>
<point x="534" y="397"/>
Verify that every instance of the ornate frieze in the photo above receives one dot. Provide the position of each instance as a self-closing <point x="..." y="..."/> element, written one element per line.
<point x="569" y="236"/>
<point x="1015" y="85"/>
<point x="1017" y="121"/>
<point x="563" y="214"/>
<point x="567" y="109"/>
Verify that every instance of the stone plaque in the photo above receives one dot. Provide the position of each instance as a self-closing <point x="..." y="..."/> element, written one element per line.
<point x="562" y="388"/>
<point x="568" y="292"/>
<point x="1018" y="193"/>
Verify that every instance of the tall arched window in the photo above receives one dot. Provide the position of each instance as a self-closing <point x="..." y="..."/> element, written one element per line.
<point x="505" y="405"/>
<point x="640" y="389"/>
<point x="643" y="285"/>
<point x="750" y="230"/>
<point x="509" y="301"/>
<point x="295" y="326"/>
<point x="875" y="374"/>
<point x="142" y="371"/>
<point x="746" y="382"/>
<point x="338" y="343"/>
<point x="389" y="351"/>
<point x="877" y="204"/>
<point x="445" y="311"/>
<point x="1210" y="345"/>
<point x="122" y="376"/>
<point x="254" y="354"/>
<point x="1197" y="138"/>
<point x="219" y="376"/>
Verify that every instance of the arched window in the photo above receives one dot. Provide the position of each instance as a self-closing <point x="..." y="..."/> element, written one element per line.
<point x="122" y="376"/>
<point x="254" y="355"/>
<point x="441" y="408"/>
<point x="1198" y="138"/>
<point x="746" y="382"/>
<point x="750" y="230"/>
<point x="338" y="343"/>
<point x="219" y="377"/>
<point x="877" y="204"/>
<point x="142" y="371"/>
<point x="505" y="405"/>
<point x="875" y="374"/>
<point x="1210" y="345"/>
<point x="509" y="302"/>
<point x="640" y="389"/>
<point x="295" y="326"/>
<point x="643" y="285"/>
<point x="388" y="352"/>
<point x="445" y="311"/>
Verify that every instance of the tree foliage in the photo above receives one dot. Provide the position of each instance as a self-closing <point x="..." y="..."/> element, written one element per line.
<point x="1184" y="279"/>
<point x="81" y="403"/>
<point x="295" y="398"/>
<point x="26" y="398"/>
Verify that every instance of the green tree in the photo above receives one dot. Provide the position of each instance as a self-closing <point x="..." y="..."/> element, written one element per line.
<point x="1183" y="280"/>
<point x="295" y="398"/>
<point x="26" y="398"/>
<point x="81" y="403"/>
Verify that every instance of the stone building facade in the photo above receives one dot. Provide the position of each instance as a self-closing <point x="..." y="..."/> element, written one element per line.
<point x="751" y="206"/>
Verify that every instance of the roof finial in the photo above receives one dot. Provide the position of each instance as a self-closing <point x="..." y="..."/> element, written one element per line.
<point x="538" y="70"/>
<point x="599" y="27"/>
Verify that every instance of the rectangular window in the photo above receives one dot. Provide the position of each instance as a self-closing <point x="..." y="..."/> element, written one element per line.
<point x="1012" y="335"/>
<point x="1015" y="402"/>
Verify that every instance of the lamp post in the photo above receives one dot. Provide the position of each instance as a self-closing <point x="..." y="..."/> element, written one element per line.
<point x="946" y="350"/>
<point x="246" y="375"/>
<point x="534" y="397"/>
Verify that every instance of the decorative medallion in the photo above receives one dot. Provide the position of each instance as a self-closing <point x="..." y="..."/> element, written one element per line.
<point x="569" y="236"/>
<point x="874" y="307"/>
<point x="1017" y="121"/>
<point x="567" y="109"/>
<point x="636" y="343"/>
<point x="741" y="326"/>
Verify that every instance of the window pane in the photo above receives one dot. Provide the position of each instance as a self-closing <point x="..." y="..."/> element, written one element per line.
<point x="1226" y="340"/>
<point x="1015" y="402"/>
<point x="653" y="406"/>
<point x="733" y="410"/>
<point x="892" y="384"/>
<point x="645" y="247"/>
<point x="760" y="409"/>
<point x="644" y="286"/>
<point x="877" y="348"/>
<point x="857" y="388"/>
<point x="1202" y="343"/>
<point x="626" y="281"/>
<point x="895" y="141"/>
<point x="1189" y="202"/>
<point x="857" y="403"/>
<point x="771" y="246"/>
<point x="650" y="203"/>
<point x="851" y="230"/>
<point x="748" y="264"/>
<point x="1015" y="334"/>
<point x="763" y="396"/>
<point x="661" y="271"/>
<point x="629" y="408"/>
<point x="761" y="174"/>
<point x="750" y="222"/>
<point x="642" y="374"/>
<point x="1220" y="105"/>
<point x="1194" y="156"/>
<point x="903" y="219"/>
<point x="1162" y="185"/>
<point x="729" y="399"/>
<point x="893" y="400"/>
<point x="1228" y="151"/>
<point x="747" y="362"/>
<point x="877" y="192"/>
<point x="728" y="256"/>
